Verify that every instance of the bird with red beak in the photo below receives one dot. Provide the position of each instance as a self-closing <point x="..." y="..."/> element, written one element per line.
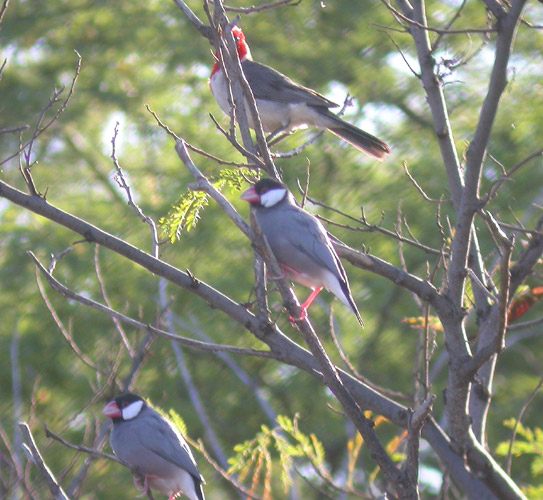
<point x="285" y="106"/>
<point x="153" y="446"/>
<point x="299" y="243"/>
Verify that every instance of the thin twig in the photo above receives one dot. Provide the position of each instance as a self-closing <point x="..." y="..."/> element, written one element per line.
<point x="85" y="449"/>
<point x="418" y="187"/>
<point x="105" y="296"/>
<point x="355" y="372"/>
<point x="205" y="31"/>
<point x="200" y="446"/>
<point x="68" y="336"/>
<point x="35" y="455"/>
<point x="507" y="175"/>
<point x="15" y="130"/>
<point x="2" y="12"/>
<point x="456" y="16"/>
<point x="260" y="8"/>
<point x="39" y="130"/>
<point x="123" y="184"/>
<point x="60" y="288"/>
<point x="441" y="31"/>
<point x="517" y="423"/>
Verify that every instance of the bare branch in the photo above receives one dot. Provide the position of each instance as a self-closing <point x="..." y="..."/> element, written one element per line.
<point x="65" y="333"/>
<point x="2" y="12"/>
<point x="425" y="290"/>
<point x="416" y="420"/>
<point x="39" y="129"/>
<point x="441" y="31"/>
<point x="508" y="175"/>
<point x="57" y="286"/>
<point x="495" y="7"/>
<point x="417" y="185"/>
<point x="35" y="455"/>
<point x="121" y="180"/>
<point x="85" y="449"/>
<point x="518" y="421"/>
<point x="260" y="8"/>
<point x="14" y="130"/>
<point x="205" y="31"/>
<point x="369" y="226"/>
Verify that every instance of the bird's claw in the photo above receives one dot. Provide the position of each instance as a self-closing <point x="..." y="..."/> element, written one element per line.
<point x="302" y="316"/>
<point x="140" y="483"/>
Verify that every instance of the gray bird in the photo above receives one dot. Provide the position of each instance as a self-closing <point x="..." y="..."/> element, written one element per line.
<point x="154" y="447"/>
<point x="299" y="243"/>
<point x="285" y="106"/>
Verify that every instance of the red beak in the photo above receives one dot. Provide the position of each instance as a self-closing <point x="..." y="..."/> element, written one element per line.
<point x="250" y="195"/>
<point x="111" y="410"/>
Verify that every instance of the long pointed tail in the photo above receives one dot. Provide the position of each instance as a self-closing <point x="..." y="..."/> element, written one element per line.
<point x="347" y="298"/>
<point x="355" y="310"/>
<point x="361" y="140"/>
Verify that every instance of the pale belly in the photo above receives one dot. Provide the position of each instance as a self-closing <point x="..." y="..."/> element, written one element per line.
<point x="273" y="115"/>
<point x="174" y="486"/>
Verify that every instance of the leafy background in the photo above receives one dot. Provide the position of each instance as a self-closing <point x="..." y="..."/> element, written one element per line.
<point x="144" y="53"/>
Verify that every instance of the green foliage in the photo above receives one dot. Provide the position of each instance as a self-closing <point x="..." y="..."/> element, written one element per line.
<point x="178" y="421"/>
<point x="144" y="52"/>
<point x="529" y="441"/>
<point x="288" y="442"/>
<point x="172" y="416"/>
<point x="184" y="215"/>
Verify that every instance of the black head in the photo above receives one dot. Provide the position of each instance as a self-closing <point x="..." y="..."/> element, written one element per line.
<point x="265" y="193"/>
<point x="267" y="184"/>
<point x="124" y="407"/>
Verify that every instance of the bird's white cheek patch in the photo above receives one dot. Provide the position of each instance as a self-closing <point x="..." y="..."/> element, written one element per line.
<point x="272" y="197"/>
<point x="132" y="410"/>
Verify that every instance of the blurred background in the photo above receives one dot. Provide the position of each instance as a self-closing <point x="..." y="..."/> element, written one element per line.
<point x="144" y="52"/>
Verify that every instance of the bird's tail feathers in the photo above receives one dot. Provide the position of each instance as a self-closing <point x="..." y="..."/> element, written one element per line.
<point x="347" y="298"/>
<point x="352" y="307"/>
<point x="200" y="493"/>
<point x="361" y="140"/>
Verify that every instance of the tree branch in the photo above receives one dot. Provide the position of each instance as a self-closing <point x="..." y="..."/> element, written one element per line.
<point x="35" y="455"/>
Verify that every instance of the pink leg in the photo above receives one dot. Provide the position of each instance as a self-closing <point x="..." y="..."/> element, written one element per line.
<point x="311" y="298"/>
<point x="305" y="306"/>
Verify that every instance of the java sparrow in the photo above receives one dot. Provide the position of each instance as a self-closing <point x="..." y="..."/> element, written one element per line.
<point x="285" y="106"/>
<point x="154" y="447"/>
<point x="299" y="243"/>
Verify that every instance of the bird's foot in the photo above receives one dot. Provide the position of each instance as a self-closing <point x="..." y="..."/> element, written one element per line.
<point x="140" y="482"/>
<point x="302" y="316"/>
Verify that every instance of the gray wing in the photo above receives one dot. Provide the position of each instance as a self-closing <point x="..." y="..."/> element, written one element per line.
<point x="166" y="441"/>
<point x="320" y="248"/>
<point x="265" y="82"/>
<point x="298" y="239"/>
